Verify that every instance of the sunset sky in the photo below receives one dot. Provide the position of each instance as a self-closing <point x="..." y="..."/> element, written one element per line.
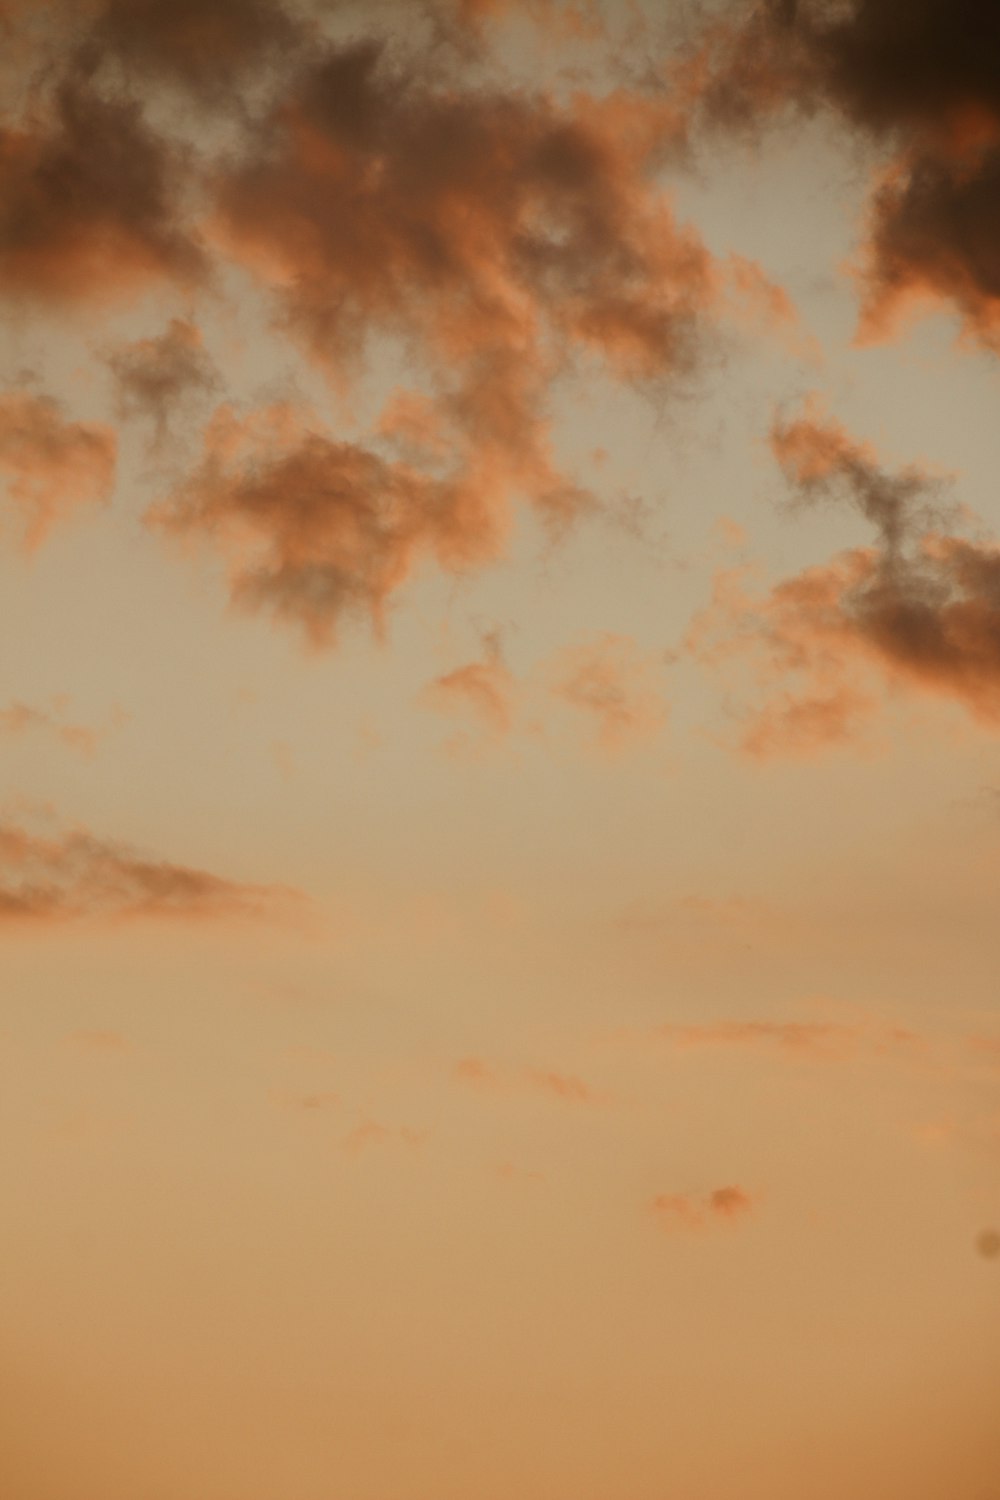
<point x="500" y="750"/>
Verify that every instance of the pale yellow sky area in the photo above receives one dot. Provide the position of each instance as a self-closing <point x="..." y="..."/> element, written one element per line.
<point x="499" y="695"/>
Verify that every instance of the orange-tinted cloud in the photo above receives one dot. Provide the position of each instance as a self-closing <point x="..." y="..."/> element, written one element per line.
<point x="77" y="875"/>
<point x="370" y="1133"/>
<point x="472" y="224"/>
<point x="155" y="378"/>
<point x="21" y="718"/>
<point x="499" y="238"/>
<point x="316" y="529"/>
<point x="686" y="1211"/>
<point x="612" y="682"/>
<point x="823" y="1041"/>
<point x="921" y="609"/>
<point x="90" y="203"/>
<point x="563" y="1086"/>
<point x="567" y="1088"/>
<point x="475" y="1071"/>
<point x="485" y="689"/>
<point x="51" y="466"/>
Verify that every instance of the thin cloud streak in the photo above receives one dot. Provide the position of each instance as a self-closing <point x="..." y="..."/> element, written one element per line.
<point x="77" y="876"/>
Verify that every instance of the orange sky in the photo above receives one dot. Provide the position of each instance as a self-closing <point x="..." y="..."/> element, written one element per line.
<point x="501" y="814"/>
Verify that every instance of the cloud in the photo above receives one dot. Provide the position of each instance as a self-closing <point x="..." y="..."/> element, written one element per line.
<point x="686" y="1211"/>
<point x="919" y="610"/>
<point x="988" y="1244"/>
<point x="563" y="1086"/>
<point x="915" y="78"/>
<point x="475" y="1071"/>
<point x="51" y="466"/>
<point x="90" y="203"/>
<point x="75" y="875"/>
<point x="18" y="719"/>
<point x="484" y="689"/>
<point x="566" y="1088"/>
<point x="809" y="1040"/>
<point x="200" y="46"/>
<point x="389" y="197"/>
<point x="609" y="682"/>
<point x="503" y="242"/>
<point x="612" y="682"/>
<point x="316" y="529"/>
<point x="465" y="221"/>
<point x="370" y="1133"/>
<point x="157" y="377"/>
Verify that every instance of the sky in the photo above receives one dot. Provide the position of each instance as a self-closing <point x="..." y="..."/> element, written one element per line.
<point x="499" y="783"/>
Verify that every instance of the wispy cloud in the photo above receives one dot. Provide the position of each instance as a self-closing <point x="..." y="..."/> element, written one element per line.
<point x="565" y="1088"/>
<point x="76" y="875"/>
<point x="20" y="719"/>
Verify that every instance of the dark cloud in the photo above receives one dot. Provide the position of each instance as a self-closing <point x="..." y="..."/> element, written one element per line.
<point x="90" y="203"/>
<point x="465" y="221"/>
<point x="935" y="231"/>
<point x="919" y="79"/>
<point x="52" y="877"/>
<point x="500" y="239"/>
<point x="155" y="378"/>
<point x="921" y="608"/>
<point x="205" y="47"/>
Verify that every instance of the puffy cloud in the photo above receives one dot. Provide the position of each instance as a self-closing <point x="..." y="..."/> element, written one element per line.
<point x="466" y="221"/>
<point x="687" y="1211"/>
<point x="502" y="240"/>
<point x="918" y="79"/>
<point x="77" y="875"/>
<point x="200" y="46"/>
<point x="920" y="610"/>
<point x="90" y="203"/>
<point x="156" y="377"/>
<point x="316" y="529"/>
<point x="52" y="466"/>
